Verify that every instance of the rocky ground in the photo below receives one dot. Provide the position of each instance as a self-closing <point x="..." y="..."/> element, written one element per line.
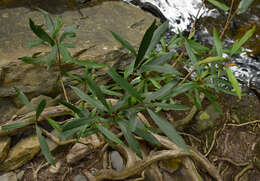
<point x="230" y="141"/>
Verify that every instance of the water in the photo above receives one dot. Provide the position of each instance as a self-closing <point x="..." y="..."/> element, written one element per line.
<point x="181" y="14"/>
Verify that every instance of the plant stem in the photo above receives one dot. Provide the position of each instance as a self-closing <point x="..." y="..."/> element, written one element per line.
<point x="60" y="74"/>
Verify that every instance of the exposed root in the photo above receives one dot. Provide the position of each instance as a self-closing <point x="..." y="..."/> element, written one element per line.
<point x="245" y="124"/>
<point x="212" y="143"/>
<point x="243" y="171"/>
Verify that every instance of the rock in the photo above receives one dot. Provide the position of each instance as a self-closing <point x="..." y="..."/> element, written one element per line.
<point x="10" y="176"/>
<point x="206" y="119"/>
<point x="4" y="147"/>
<point x="20" y="175"/>
<point x="36" y="101"/>
<point x="117" y="161"/>
<point x="80" y="178"/>
<point x="21" y="153"/>
<point x="92" y="35"/>
<point x="79" y="150"/>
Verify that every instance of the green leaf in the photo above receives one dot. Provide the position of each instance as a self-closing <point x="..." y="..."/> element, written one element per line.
<point x="158" y="33"/>
<point x="69" y="31"/>
<point x="58" y="23"/>
<point x="192" y="56"/>
<point x="68" y="134"/>
<point x="52" y="56"/>
<point x="68" y="45"/>
<point x="89" y="64"/>
<point x="132" y="123"/>
<point x="55" y="125"/>
<point x="124" y="43"/>
<point x="234" y="82"/>
<point x="110" y="135"/>
<point x="161" y="92"/>
<point x="44" y="146"/>
<point x="73" y="108"/>
<point x="220" y="5"/>
<point x="169" y="106"/>
<point x="165" y="69"/>
<point x="145" y="44"/>
<point x="35" y="43"/>
<point x="161" y="59"/>
<point x="89" y="99"/>
<point x="48" y="19"/>
<point x="168" y="130"/>
<point x="155" y="83"/>
<point x="24" y="99"/>
<point x="78" y="123"/>
<point x="197" y="47"/>
<point x="242" y="41"/>
<point x="31" y="60"/>
<point x="40" y="108"/>
<point x="65" y="53"/>
<point x="147" y="136"/>
<point x="96" y="91"/>
<point x="38" y="31"/>
<point x="124" y="84"/>
<point x="218" y="42"/>
<point x="110" y="92"/>
<point x="244" y="5"/>
<point x="15" y="125"/>
<point x="129" y="69"/>
<point x="130" y="139"/>
<point x="210" y="60"/>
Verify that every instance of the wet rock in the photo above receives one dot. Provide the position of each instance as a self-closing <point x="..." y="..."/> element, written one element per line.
<point x="80" y="178"/>
<point x="206" y="119"/>
<point x="21" y="153"/>
<point x="10" y="176"/>
<point x="4" y="147"/>
<point x="117" y="160"/>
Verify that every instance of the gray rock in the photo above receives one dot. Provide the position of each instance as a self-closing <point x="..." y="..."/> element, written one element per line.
<point x="206" y="119"/>
<point x="10" y="176"/>
<point x="80" y="178"/>
<point x="117" y="161"/>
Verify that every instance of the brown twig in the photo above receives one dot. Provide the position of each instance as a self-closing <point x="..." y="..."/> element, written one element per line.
<point x="212" y="143"/>
<point x="244" y="124"/>
<point x="243" y="171"/>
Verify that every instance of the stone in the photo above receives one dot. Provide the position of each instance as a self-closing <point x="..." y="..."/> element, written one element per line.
<point x="80" y="177"/>
<point x="92" y="35"/>
<point x="117" y="160"/>
<point x="10" y="176"/>
<point x="4" y="147"/>
<point x="206" y="119"/>
<point x="21" y="153"/>
<point x="80" y="151"/>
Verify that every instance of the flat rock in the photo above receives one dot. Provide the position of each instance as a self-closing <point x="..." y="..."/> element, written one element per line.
<point x="4" y="147"/>
<point x="21" y="153"/>
<point x="93" y="35"/>
<point x="10" y="176"/>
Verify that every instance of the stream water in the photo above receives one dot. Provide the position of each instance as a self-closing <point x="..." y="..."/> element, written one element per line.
<point x="182" y="13"/>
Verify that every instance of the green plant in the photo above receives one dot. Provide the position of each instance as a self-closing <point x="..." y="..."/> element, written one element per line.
<point x="55" y="40"/>
<point x="38" y="110"/>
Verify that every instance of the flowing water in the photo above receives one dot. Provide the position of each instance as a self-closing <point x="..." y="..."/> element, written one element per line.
<point x="182" y="13"/>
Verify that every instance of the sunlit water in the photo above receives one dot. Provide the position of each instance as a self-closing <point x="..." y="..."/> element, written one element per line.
<point x="181" y="14"/>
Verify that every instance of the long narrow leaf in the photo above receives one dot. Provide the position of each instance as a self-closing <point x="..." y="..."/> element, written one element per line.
<point x="110" y="135"/>
<point x="38" y="31"/>
<point x="24" y="99"/>
<point x="168" y="130"/>
<point x="147" y="136"/>
<point x="48" y="19"/>
<point x="218" y="43"/>
<point x="15" y="126"/>
<point x="145" y="44"/>
<point x="69" y="31"/>
<point x="88" y="99"/>
<point x="169" y="106"/>
<point x="220" y="5"/>
<point x="73" y="108"/>
<point x="244" y="5"/>
<point x="64" y="53"/>
<point x="40" y="108"/>
<point x="124" y="84"/>
<point x="130" y="139"/>
<point x="234" y="82"/>
<point x="192" y="56"/>
<point x="210" y="60"/>
<point x="77" y="123"/>
<point x="44" y="146"/>
<point x="125" y="43"/>
<point x="55" y="125"/>
<point x="97" y="91"/>
<point x="32" y="60"/>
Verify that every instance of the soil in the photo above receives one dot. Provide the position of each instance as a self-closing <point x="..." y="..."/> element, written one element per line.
<point x="233" y="145"/>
